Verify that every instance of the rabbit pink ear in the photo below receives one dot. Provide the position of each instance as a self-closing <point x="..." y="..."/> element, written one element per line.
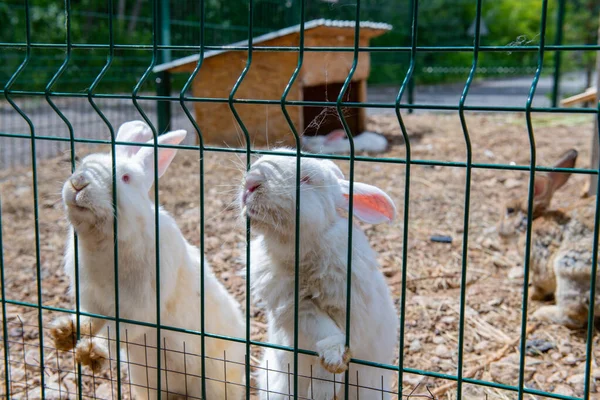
<point x="133" y="132"/>
<point x="335" y="135"/>
<point x="567" y="160"/>
<point x="542" y="194"/>
<point x="370" y="204"/>
<point x="165" y="155"/>
<point x="547" y="183"/>
<point x="542" y="186"/>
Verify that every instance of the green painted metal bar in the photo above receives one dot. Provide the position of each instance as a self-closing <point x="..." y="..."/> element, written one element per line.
<point x="526" y="262"/>
<point x="163" y="79"/>
<point x="134" y="98"/>
<point x="90" y="92"/>
<point x="192" y="120"/>
<point x="382" y="160"/>
<point x="5" y="342"/>
<point x="248" y="163"/>
<point x="164" y="21"/>
<point x="32" y="138"/>
<point x="413" y="371"/>
<point x="298" y="177"/>
<point x="342" y="118"/>
<point x="163" y="108"/>
<point x="378" y="49"/>
<point x="47" y="91"/>
<point x="467" y="206"/>
<point x="560" y="17"/>
<point x="589" y="345"/>
<point x="411" y="94"/>
<point x="160" y="46"/>
<point x="435" y="107"/>
<point x="406" y="83"/>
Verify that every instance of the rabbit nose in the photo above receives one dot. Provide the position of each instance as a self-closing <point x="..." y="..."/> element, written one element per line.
<point x="79" y="181"/>
<point x="253" y="182"/>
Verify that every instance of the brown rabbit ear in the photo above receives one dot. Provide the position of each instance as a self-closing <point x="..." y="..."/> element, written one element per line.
<point x="542" y="194"/>
<point x="542" y="187"/>
<point x="568" y="160"/>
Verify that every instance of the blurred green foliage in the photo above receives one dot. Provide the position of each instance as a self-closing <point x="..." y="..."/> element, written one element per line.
<point x="441" y="23"/>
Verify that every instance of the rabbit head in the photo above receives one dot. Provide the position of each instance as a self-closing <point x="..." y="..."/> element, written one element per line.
<point x="88" y="192"/>
<point x="268" y="196"/>
<point x="513" y="215"/>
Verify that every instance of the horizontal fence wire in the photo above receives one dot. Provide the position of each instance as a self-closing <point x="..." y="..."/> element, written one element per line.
<point x="295" y="49"/>
<point x="52" y="362"/>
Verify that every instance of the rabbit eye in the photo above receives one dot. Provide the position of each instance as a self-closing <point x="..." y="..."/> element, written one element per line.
<point x="305" y="179"/>
<point x="125" y="178"/>
<point x="510" y="210"/>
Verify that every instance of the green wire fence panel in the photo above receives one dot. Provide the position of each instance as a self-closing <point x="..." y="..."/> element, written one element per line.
<point x="73" y="72"/>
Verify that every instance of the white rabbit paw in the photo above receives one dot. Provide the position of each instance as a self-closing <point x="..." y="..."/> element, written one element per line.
<point x="62" y="332"/>
<point x="92" y="353"/>
<point x="333" y="354"/>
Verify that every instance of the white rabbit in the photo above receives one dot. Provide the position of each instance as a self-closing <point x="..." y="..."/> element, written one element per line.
<point x="267" y="196"/>
<point x="87" y="196"/>
<point x="336" y="142"/>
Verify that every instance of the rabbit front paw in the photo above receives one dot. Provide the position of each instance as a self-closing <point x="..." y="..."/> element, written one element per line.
<point x="92" y="353"/>
<point x="333" y="354"/>
<point x="62" y="332"/>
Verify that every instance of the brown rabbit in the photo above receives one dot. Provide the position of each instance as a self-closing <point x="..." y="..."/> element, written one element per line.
<point x="561" y="246"/>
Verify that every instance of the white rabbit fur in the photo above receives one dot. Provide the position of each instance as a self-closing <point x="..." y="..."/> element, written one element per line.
<point x="336" y="142"/>
<point x="90" y="213"/>
<point x="268" y="197"/>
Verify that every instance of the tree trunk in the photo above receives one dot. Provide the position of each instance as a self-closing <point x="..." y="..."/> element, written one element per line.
<point x="134" y="16"/>
<point x="121" y="10"/>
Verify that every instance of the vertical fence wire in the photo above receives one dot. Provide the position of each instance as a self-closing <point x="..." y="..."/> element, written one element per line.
<point x="405" y="83"/>
<point x="7" y="90"/>
<point x="105" y="120"/>
<point x="5" y="343"/>
<point x="134" y="96"/>
<point x="560" y="18"/>
<point x="186" y="110"/>
<point x="338" y="105"/>
<point x="298" y="177"/>
<point x="467" y="206"/>
<point x="284" y="102"/>
<point x="242" y="126"/>
<point x="533" y="154"/>
<point x="589" y="346"/>
<point x="47" y="93"/>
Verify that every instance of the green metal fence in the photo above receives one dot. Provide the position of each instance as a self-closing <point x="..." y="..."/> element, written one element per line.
<point x="446" y="23"/>
<point x="18" y="88"/>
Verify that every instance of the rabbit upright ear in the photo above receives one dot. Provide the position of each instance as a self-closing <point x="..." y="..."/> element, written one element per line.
<point x="566" y="161"/>
<point x="547" y="183"/>
<point x="542" y="186"/>
<point x="370" y="204"/>
<point x="165" y="155"/>
<point x="133" y="132"/>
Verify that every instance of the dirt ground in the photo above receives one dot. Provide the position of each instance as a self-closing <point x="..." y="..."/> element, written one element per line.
<point x="437" y="196"/>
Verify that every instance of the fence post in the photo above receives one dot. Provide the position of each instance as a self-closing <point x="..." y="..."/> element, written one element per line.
<point x="163" y="79"/>
<point x="593" y="181"/>
<point x="560" y="17"/>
